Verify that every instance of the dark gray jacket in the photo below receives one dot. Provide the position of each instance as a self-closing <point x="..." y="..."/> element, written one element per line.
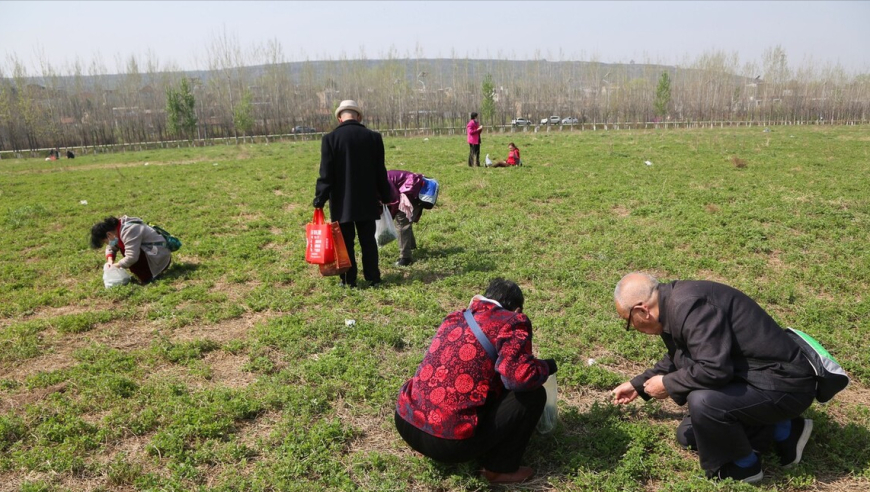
<point x="716" y="335"/>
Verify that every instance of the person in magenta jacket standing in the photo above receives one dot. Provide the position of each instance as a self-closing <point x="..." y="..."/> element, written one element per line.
<point x="473" y="129"/>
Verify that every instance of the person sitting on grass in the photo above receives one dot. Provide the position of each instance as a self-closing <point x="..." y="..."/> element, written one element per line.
<point x="145" y="252"/>
<point x="465" y="402"/>
<point x="513" y="157"/>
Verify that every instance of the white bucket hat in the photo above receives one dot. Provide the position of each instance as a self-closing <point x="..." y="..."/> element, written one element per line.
<point x="348" y="104"/>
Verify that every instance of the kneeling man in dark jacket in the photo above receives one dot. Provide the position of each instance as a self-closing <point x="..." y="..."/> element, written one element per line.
<point x="745" y="381"/>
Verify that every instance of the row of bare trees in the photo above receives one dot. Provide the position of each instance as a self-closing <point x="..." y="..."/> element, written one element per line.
<point x="243" y="92"/>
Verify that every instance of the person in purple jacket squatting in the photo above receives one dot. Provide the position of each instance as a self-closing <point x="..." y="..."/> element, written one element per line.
<point x="467" y="401"/>
<point x="407" y="210"/>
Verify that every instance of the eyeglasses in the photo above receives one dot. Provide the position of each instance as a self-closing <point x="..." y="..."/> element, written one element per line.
<point x="628" y="321"/>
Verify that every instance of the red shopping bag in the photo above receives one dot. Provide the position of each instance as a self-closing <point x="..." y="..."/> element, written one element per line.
<point x="319" y="248"/>
<point x="342" y="259"/>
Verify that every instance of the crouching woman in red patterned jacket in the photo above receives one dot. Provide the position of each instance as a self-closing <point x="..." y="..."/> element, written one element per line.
<point x="462" y="404"/>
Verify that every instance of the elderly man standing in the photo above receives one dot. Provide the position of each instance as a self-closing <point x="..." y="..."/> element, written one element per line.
<point x="353" y="178"/>
<point x="745" y="381"/>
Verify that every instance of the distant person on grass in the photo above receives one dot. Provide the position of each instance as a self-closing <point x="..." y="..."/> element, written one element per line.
<point x="513" y="157"/>
<point x="745" y="381"/>
<point x="473" y="129"/>
<point x="353" y="178"/>
<point x="145" y="252"/>
<point x="462" y="404"/>
<point x="406" y="211"/>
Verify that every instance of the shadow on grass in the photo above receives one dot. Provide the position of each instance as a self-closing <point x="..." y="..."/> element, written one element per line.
<point x="421" y="271"/>
<point x="177" y="271"/>
<point x="593" y="440"/>
<point x="836" y="450"/>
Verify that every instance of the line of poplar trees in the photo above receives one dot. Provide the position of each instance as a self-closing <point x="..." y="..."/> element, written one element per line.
<point x="240" y="93"/>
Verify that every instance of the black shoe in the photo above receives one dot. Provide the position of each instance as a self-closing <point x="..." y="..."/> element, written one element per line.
<point x="752" y="474"/>
<point x="791" y="450"/>
<point x="404" y="262"/>
<point x="375" y="285"/>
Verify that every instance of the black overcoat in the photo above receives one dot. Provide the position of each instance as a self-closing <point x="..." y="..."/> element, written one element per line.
<point x="353" y="177"/>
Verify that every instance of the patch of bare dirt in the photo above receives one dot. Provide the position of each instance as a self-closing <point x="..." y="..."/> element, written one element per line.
<point x="226" y="369"/>
<point x="51" y="312"/>
<point x="16" y="401"/>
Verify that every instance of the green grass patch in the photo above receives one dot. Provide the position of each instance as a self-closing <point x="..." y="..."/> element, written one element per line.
<point x="241" y="369"/>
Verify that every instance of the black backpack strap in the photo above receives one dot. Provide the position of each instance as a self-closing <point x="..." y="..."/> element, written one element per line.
<point x="487" y="345"/>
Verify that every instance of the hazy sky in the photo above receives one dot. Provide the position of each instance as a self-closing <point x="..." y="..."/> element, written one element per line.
<point x="612" y="32"/>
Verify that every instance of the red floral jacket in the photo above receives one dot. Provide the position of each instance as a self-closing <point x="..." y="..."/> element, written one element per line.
<point x="457" y="377"/>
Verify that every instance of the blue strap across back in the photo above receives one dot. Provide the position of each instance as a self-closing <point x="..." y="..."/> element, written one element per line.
<point x="487" y="345"/>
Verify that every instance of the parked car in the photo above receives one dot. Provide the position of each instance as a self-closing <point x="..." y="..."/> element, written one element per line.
<point x="303" y="129"/>
<point x="570" y="121"/>
<point x="521" y="122"/>
<point x="552" y="120"/>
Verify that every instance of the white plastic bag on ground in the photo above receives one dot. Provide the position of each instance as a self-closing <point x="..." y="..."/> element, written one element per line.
<point x="551" y="411"/>
<point x="114" y="276"/>
<point x="385" y="230"/>
<point x="488" y="161"/>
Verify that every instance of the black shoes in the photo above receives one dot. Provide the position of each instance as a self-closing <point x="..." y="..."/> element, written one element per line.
<point x="791" y="450"/>
<point x="404" y="262"/>
<point x="752" y="474"/>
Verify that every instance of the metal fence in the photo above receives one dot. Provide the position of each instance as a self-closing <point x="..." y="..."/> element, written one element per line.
<point x="414" y="132"/>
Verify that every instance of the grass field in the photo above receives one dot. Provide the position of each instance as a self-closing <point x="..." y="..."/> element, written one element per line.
<point x="238" y="371"/>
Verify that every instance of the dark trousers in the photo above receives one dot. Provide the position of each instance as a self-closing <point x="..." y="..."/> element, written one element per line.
<point x="405" y="228"/>
<point x="143" y="272"/>
<point x="369" y="247"/>
<point x="728" y="423"/>
<point x="501" y="437"/>
<point x="474" y="155"/>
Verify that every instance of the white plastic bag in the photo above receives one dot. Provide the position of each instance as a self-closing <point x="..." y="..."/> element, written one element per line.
<point x="551" y="411"/>
<point x="114" y="276"/>
<point x="385" y="231"/>
<point x="488" y="161"/>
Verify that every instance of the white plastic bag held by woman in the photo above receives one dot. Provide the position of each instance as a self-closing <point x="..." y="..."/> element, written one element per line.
<point x="385" y="230"/>
<point x="551" y="411"/>
<point x="113" y="276"/>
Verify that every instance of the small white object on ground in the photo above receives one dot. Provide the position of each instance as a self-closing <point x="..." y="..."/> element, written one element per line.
<point x="648" y="163"/>
<point x="84" y="202"/>
<point x="349" y="322"/>
<point x="146" y="163"/>
<point x="590" y="362"/>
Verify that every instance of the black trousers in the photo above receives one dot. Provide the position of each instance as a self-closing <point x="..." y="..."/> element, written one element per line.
<point x="728" y="423"/>
<point x="501" y="437"/>
<point x="369" y="247"/>
<point x="473" y="155"/>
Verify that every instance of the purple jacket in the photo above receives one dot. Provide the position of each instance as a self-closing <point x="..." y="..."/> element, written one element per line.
<point x="404" y="182"/>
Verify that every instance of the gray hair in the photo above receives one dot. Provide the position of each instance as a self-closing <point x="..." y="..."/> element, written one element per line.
<point x="634" y="288"/>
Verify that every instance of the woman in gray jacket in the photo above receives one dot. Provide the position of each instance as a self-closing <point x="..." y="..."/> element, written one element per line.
<point x="145" y="251"/>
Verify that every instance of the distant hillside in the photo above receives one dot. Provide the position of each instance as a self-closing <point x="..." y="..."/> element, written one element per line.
<point x="439" y="72"/>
